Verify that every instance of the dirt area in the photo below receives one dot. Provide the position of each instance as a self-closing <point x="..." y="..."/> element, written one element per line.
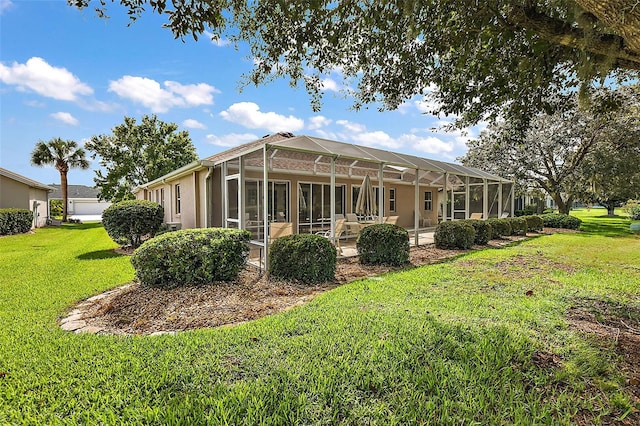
<point x="612" y="324"/>
<point x="137" y="309"/>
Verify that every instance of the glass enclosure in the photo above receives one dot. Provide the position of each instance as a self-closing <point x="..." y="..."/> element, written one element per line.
<point x="314" y="206"/>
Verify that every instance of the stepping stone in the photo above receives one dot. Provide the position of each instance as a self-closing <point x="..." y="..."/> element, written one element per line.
<point x="73" y="325"/>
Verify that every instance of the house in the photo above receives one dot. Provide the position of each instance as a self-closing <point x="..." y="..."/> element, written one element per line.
<point x="311" y="180"/>
<point x="17" y="191"/>
<point x="82" y="200"/>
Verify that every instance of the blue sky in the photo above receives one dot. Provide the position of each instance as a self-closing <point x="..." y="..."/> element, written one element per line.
<point x="67" y="73"/>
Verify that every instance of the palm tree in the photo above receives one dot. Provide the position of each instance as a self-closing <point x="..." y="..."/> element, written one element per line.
<point x="63" y="155"/>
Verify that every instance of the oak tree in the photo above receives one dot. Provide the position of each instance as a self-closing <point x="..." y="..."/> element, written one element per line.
<point x="476" y="59"/>
<point x="137" y="153"/>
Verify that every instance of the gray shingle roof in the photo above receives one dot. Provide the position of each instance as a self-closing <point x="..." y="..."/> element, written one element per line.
<point x="75" y="191"/>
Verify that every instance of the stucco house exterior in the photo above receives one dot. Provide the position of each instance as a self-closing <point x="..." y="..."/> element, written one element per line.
<point x="312" y="181"/>
<point x="82" y="200"/>
<point x="17" y="191"/>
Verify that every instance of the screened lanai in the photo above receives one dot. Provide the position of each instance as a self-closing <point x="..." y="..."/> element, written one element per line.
<point x="313" y="182"/>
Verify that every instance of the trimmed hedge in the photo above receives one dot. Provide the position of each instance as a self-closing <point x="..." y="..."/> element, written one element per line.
<point x="518" y="225"/>
<point x="130" y="222"/>
<point x="15" y="221"/>
<point x="483" y="230"/>
<point x="383" y="244"/>
<point x="558" y="220"/>
<point x="191" y="256"/>
<point x="534" y="223"/>
<point x="499" y="227"/>
<point x="308" y="258"/>
<point x="454" y="235"/>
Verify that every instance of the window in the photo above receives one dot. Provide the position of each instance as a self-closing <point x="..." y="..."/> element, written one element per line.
<point x="428" y="200"/>
<point x="392" y="199"/>
<point x="178" y="199"/>
<point x="162" y="197"/>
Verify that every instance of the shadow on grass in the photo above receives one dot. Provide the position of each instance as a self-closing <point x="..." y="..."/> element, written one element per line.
<point x="607" y="226"/>
<point x="81" y="226"/>
<point x="99" y="254"/>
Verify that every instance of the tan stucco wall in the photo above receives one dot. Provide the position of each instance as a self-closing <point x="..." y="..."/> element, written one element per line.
<point x="14" y="194"/>
<point x="194" y="209"/>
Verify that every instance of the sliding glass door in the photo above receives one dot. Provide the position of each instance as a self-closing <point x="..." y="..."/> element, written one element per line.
<point x="314" y="206"/>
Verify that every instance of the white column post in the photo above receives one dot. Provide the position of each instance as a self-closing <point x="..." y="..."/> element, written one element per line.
<point x="416" y="207"/>
<point x="380" y="193"/>
<point x="446" y="194"/>
<point x="265" y="205"/>
<point x="225" y="195"/>
<point x="485" y="198"/>
<point x="500" y="208"/>
<point x="467" y="203"/>
<point x="332" y="202"/>
<point x="241" y="189"/>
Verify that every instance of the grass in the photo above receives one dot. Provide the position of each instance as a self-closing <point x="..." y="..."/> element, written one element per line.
<point x="458" y="342"/>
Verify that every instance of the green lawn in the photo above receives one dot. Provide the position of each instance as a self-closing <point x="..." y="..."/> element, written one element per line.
<point x="459" y="342"/>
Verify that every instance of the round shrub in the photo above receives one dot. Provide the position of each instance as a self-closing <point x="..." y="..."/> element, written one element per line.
<point x="454" y="235"/>
<point x="15" y="221"/>
<point x="558" y="220"/>
<point x="518" y="225"/>
<point x="308" y="258"/>
<point x="130" y="222"/>
<point x="191" y="256"/>
<point x="499" y="227"/>
<point x="482" y="229"/>
<point x="534" y="223"/>
<point x="383" y="244"/>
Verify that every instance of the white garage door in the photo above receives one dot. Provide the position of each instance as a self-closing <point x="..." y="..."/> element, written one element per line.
<point x="90" y="207"/>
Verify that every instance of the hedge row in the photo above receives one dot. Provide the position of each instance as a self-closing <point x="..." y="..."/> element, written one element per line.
<point x="557" y="220"/>
<point x="15" y="221"/>
<point x="191" y="256"/>
<point x="462" y="234"/>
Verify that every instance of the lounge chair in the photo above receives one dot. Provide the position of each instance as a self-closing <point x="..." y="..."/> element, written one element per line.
<point x="393" y="220"/>
<point x="279" y="229"/>
<point x="476" y="216"/>
<point x="339" y="230"/>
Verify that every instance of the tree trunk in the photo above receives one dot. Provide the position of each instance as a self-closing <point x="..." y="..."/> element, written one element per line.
<point x="563" y="206"/>
<point x="63" y="188"/>
<point x="611" y="210"/>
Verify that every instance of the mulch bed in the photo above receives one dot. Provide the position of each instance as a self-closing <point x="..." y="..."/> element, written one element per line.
<point x="138" y="309"/>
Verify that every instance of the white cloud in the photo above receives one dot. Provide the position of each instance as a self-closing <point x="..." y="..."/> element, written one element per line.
<point x="231" y="139"/>
<point x="376" y="138"/>
<point x="330" y="85"/>
<point x="35" y="104"/>
<point x="5" y="5"/>
<point x="65" y="117"/>
<point x="40" y="77"/>
<point x="318" y="122"/>
<point x="215" y="40"/>
<point x="248" y="114"/>
<point x="149" y="93"/>
<point x="351" y="126"/>
<point x="193" y="124"/>
<point x="429" y="144"/>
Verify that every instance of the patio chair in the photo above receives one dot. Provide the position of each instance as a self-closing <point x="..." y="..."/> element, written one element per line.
<point x="339" y="230"/>
<point x="504" y="215"/>
<point x="425" y="220"/>
<point x="476" y="216"/>
<point x="279" y="229"/>
<point x="392" y="220"/>
<point x="352" y="217"/>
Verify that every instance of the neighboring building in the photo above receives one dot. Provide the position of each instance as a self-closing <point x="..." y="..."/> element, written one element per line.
<point x="20" y="192"/>
<point x="82" y="200"/>
<point x="309" y="177"/>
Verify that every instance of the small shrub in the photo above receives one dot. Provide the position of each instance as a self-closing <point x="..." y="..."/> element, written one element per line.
<point x="308" y="258"/>
<point x="557" y="220"/>
<point x="383" y="244"/>
<point x="534" y="223"/>
<point x="15" y="221"/>
<point x="130" y="222"/>
<point x="499" y="227"/>
<point x="191" y="256"/>
<point x="633" y="208"/>
<point x="518" y="225"/>
<point x="548" y="210"/>
<point x="482" y="229"/>
<point x="454" y="234"/>
<point x="55" y="207"/>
